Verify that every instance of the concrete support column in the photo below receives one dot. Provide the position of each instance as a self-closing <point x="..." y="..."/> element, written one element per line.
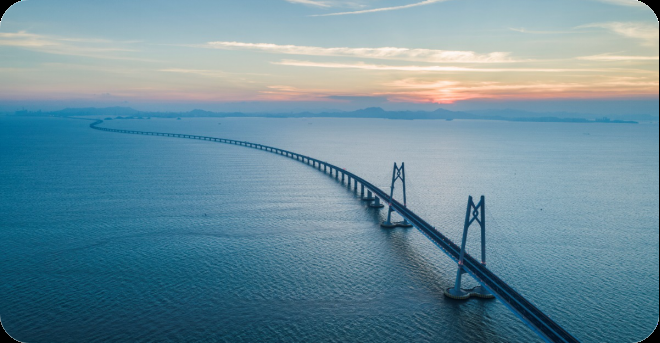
<point x="376" y="203"/>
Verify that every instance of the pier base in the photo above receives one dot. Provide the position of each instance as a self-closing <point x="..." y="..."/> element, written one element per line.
<point x="376" y="203"/>
<point x="389" y="225"/>
<point x="457" y="294"/>
<point x="463" y="294"/>
<point x="481" y="292"/>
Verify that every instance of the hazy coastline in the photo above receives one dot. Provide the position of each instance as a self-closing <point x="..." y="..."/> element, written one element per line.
<point x="372" y="112"/>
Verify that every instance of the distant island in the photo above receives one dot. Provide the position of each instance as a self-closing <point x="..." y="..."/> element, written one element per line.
<point x="371" y="112"/>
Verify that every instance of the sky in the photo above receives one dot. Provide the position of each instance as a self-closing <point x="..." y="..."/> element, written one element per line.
<point x="295" y="55"/>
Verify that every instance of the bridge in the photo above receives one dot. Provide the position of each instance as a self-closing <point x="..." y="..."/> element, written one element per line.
<point x="490" y="283"/>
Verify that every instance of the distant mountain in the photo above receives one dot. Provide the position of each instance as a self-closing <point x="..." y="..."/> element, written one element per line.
<point x="508" y="113"/>
<point x="371" y="112"/>
<point x="108" y="111"/>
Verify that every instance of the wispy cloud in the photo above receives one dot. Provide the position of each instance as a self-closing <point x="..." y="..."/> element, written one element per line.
<point x="382" y="9"/>
<point x="310" y="2"/>
<point x="414" y="68"/>
<point x="524" y="30"/>
<point x="647" y="33"/>
<point x="615" y="58"/>
<point x="389" y="53"/>
<point x="290" y="93"/>
<point x="93" y="48"/>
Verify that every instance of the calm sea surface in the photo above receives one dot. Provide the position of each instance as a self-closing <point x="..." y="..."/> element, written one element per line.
<point x="115" y="237"/>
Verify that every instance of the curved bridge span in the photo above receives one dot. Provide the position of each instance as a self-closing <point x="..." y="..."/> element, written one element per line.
<point x="545" y="327"/>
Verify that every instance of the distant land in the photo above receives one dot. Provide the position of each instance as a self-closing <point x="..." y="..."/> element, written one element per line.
<point x="371" y="112"/>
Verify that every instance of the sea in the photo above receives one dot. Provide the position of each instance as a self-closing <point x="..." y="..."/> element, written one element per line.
<point x="109" y="237"/>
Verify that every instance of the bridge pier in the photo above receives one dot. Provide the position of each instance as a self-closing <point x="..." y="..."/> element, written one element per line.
<point x="369" y="197"/>
<point x="376" y="203"/>
<point x="361" y="190"/>
<point x="473" y="213"/>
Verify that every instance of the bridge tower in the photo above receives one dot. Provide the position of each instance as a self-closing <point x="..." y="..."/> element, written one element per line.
<point x="473" y="213"/>
<point x="398" y="173"/>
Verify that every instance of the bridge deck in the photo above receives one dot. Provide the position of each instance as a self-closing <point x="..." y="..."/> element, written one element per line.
<point x="530" y="314"/>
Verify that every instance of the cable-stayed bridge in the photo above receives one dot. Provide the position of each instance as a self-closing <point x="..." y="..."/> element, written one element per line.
<point x="491" y="284"/>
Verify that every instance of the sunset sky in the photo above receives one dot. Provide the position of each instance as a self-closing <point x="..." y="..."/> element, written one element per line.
<point x="330" y="54"/>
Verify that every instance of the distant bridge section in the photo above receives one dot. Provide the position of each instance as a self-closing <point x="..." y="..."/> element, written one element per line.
<point x="545" y="327"/>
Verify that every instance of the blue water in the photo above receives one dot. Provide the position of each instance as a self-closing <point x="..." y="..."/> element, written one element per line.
<point x="114" y="237"/>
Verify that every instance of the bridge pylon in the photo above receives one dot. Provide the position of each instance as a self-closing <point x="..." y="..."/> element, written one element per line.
<point x="473" y="213"/>
<point x="398" y="173"/>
